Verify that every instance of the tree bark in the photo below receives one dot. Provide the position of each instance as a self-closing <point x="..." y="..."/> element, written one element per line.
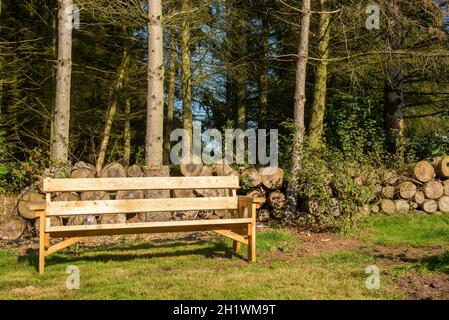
<point x="155" y="99"/>
<point x="60" y="139"/>
<point x="112" y="110"/>
<point x="263" y="75"/>
<point x="299" y="106"/>
<point x="319" y="99"/>
<point x="240" y="70"/>
<point x="171" y="91"/>
<point x="127" y="133"/>
<point x="187" y="117"/>
<point x="394" y="79"/>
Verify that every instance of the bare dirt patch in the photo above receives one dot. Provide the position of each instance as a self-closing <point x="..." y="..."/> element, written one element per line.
<point x="424" y="287"/>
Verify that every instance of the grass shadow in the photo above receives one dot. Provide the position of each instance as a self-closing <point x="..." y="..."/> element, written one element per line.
<point x="217" y="249"/>
<point x="439" y="263"/>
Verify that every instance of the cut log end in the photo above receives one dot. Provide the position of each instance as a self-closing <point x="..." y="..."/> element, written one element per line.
<point x="423" y="171"/>
<point x="12" y="228"/>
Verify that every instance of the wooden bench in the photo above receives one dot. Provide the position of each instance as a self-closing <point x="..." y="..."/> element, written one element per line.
<point x="241" y="227"/>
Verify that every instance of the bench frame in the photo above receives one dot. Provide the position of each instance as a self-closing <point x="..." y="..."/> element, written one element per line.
<point x="242" y="229"/>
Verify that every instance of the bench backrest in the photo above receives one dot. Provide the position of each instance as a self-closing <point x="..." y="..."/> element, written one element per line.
<point x="68" y="208"/>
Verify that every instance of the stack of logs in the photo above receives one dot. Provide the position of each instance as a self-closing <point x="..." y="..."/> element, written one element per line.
<point x="422" y="187"/>
<point x="265" y="183"/>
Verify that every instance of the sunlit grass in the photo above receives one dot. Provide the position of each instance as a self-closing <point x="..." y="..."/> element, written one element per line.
<point x="202" y="270"/>
<point x="410" y="229"/>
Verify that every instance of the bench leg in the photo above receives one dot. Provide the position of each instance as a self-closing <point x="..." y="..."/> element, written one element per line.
<point x="252" y="242"/>
<point x="42" y="240"/>
<point x="236" y="247"/>
<point x="47" y="240"/>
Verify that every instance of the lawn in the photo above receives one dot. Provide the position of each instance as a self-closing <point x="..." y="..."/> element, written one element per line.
<point x="186" y="267"/>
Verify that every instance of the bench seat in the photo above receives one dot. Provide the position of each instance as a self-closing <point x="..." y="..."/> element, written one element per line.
<point x="239" y="225"/>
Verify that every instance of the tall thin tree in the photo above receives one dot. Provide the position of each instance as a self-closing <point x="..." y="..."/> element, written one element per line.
<point x="316" y="124"/>
<point x="299" y="111"/>
<point x="155" y="98"/>
<point x="60" y="138"/>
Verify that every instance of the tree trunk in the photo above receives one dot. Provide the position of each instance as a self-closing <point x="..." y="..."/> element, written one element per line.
<point x="388" y="192"/>
<point x="127" y="133"/>
<point x="134" y="171"/>
<point x="113" y="170"/>
<point x="171" y="91"/>
<point x="390" y="177"/>
<point x="191" y="166"/>
<point x="419" y="197"/>
<point x="187" y="117"/>
<point x="442" y="167"/>
<point x="446" y="187"/>
<point x="257" y="193"/>
<point x="402" y="206"/>
<point x="60" y="139"/>
<point x="277" y="200"/>
<point x="299" y="107"/>
<point x="155" y="99"/>
<point x="388" y="206"/>
<point x="240" y="71"/>
<point x="263" y="74"/>
<point x="394" y="79"/>
<point x="407" y="190"/>
<point x="83" y="170"/>
<point x="24" y="202"/>
<point x="54" y="222"/>
<point x="112" y="110"/>
<point x="433" y="189"/>
<point x="443" y="204"/>
<point x="272" y="178"/>
<point x="250" y="178"/>
<point x="12" y="228"/>
<point x="264" y="215"/>
<point x="319" y="99"/>
<point x="430" y="206"/>
<point x="423" y="171"/>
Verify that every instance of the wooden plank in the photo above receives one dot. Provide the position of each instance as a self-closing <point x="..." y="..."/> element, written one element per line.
<point x="252" y="234"/>
<point x="42" y="244"/>
<point x="37" y="205"/>
<point x="62" y="245"/>
<point x="251" y="199"/>
<point x="140" y="228"/>
<point x="170" y="224"/>
<point x="147" y="183"/>
<point x="70" y="208"/>
<point x="232" y="235"/>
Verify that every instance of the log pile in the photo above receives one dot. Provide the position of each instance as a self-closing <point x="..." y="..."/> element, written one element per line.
<point x="422" y="187"/>
<point x="264" y="183"/>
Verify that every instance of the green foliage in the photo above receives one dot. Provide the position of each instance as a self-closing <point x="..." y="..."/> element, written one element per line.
<point x="140" y="156"/>
<point x="426" y="146"/>
<point x="354" y="125"/>
<point x="330" y="184"/>
<point x="14" y="176"/>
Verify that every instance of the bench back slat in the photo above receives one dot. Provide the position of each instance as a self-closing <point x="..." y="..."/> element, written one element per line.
<point x="148" y="183"/>
<point x="70" y="208"/>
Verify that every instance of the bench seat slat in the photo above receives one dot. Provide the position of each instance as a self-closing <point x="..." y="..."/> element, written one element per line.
<point x="71" y="208"/>
<point x="145" y="225"/>
<point x="148" y="183"/>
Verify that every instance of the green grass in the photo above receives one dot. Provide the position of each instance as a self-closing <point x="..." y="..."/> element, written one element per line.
<point x="412" y="230"/>
<point x="183" y="268"/>
<point x="202" y="270"/>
